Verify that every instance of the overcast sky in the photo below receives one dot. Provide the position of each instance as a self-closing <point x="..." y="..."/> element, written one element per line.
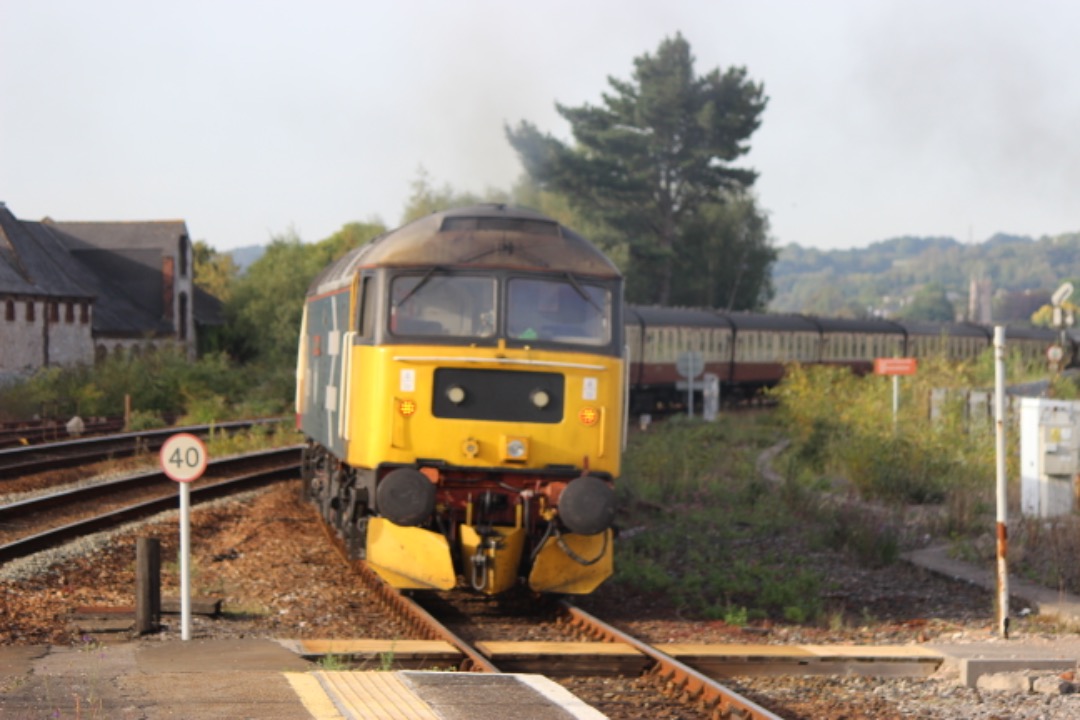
<point x="251" y="119"/>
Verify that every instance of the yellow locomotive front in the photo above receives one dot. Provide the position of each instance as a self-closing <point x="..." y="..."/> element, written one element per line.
<point x="461" y="383"/>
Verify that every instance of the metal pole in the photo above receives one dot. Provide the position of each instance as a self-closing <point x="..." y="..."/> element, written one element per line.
<point x="185" y="556"/>
<point x="690" y="394"/>
<point x="895" y="398"/>
<point x="1002" y="496"/>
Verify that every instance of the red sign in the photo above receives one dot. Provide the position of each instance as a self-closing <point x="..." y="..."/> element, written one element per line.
<point x="895" y="366"/>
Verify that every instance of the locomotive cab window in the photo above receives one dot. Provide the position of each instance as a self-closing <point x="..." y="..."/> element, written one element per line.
<point x="435" y="304"/>
<point x="558" y="311"/>
<point x="365" y="324"/>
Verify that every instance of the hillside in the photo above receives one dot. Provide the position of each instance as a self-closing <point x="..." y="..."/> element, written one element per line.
<point x="1021" y="271"/>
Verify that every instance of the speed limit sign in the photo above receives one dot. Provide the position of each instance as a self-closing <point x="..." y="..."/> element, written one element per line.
<point x="183" y="457"/>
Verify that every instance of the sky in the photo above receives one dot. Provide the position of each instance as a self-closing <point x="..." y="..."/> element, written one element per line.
<point x="256" y="119"/>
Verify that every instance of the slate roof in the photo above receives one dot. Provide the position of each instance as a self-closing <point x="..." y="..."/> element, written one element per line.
<point x="33" y="263"/>
<point x="116" y="264"/>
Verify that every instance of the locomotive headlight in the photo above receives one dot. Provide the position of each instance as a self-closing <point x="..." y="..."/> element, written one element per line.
<point x="540" y="398"/>
<point x="515" y="448"/>
<point x="455" y="394"/>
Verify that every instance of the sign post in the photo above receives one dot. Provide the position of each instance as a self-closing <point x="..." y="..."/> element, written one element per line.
<point x="1001" y="481"/>
<point x="183" y="459"/>
<point x="690" y="365"/>
<point x="895" y="367"/>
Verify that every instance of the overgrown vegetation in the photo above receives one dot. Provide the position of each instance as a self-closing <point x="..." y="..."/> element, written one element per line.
<point x="694" y="505"/>
<point x="164" y="386"/>
<point x="702" y="526"/>
<point x="843" y="434"/>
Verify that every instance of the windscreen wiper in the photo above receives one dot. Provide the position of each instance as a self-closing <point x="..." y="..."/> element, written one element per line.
<point x="582" y="293"/>
<point x="417" y="286"/>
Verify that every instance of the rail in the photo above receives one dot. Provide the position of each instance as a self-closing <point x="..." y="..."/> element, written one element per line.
<point x="282" y="464"/>
<point x="31" y="459"/>
<point x="723" y="701"/>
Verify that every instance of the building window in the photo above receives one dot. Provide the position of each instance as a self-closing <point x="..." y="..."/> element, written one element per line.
<point x="69" y="312"/>
<point x="30" y="311"/>
<point x="54" y="311"/>
<point x="183" y="254"/>
<point x="9" y="311"/>
<point x="84" y="313"/>
<point x="182" y="330"/>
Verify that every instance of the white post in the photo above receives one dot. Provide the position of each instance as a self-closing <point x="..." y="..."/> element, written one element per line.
<point x="690" y="395"/>
<point x="185" y="556"/>
<point x="1002" y="495"/>
<point x="895" y="398"/>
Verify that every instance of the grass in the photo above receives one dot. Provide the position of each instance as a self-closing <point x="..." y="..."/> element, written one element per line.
<point x="711" y="535"/>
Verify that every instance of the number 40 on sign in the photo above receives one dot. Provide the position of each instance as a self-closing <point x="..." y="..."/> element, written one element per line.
<point x="183" y="457"/>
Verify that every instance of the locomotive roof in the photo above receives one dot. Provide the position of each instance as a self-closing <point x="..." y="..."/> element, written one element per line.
<point x="477" y="236"/>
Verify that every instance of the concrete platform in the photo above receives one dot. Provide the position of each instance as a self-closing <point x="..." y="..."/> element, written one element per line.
<point x="1062" y="606"/>
<point x="257" y="679"/>
<point x="969" y="661"/>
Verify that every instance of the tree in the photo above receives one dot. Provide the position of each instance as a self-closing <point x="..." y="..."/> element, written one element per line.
<point x="726" y="257"/>
<point x="266" y="307"/>
<point x="930" y="304"/>
<point x="214" y="271"/>
<point x="652" y="156"/>
<point x="426" y="198"/>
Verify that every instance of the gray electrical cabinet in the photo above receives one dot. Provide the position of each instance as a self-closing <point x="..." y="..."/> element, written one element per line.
<point x="1049" y="456"/>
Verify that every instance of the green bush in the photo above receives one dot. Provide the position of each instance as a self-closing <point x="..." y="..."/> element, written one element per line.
<point x="163" y="383"/>
<point x="843" y="424"/>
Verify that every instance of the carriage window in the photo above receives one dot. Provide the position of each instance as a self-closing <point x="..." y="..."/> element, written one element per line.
<point x="443" y="305"/>
<point x="559" y="311"/>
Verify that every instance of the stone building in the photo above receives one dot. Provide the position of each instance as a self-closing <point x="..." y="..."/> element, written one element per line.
<point x="46" y="316"/>
<point x="71" y="292"/>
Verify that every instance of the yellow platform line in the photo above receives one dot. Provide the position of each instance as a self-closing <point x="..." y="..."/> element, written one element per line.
<point x="374" y="696"/>
<point x="314" y="698"/>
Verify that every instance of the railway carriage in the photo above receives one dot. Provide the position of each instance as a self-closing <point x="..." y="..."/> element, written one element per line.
<point x="749" y="351"/>
<point x="461" y="384"/>
<point x="856" y="342"/>
<point x="955" y="342"/>
<point x="1033" y="342"/>
<point x="763" y="345"/>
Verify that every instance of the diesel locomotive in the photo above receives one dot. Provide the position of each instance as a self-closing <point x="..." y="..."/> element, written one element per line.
<point x="462" y="390"/>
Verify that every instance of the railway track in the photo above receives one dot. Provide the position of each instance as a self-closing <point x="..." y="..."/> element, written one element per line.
<point x="37" y="523"/>
<point x="30" y="433"/>
<point x="597" y="657"/>
<point x="31" y="459"/>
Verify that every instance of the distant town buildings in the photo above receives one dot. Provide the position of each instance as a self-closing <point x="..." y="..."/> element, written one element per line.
<point x="71" y="292"/>
<point x="980" y="300"/>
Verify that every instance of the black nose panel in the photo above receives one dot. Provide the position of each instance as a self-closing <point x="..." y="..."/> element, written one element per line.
<point x="498" y="395"/>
